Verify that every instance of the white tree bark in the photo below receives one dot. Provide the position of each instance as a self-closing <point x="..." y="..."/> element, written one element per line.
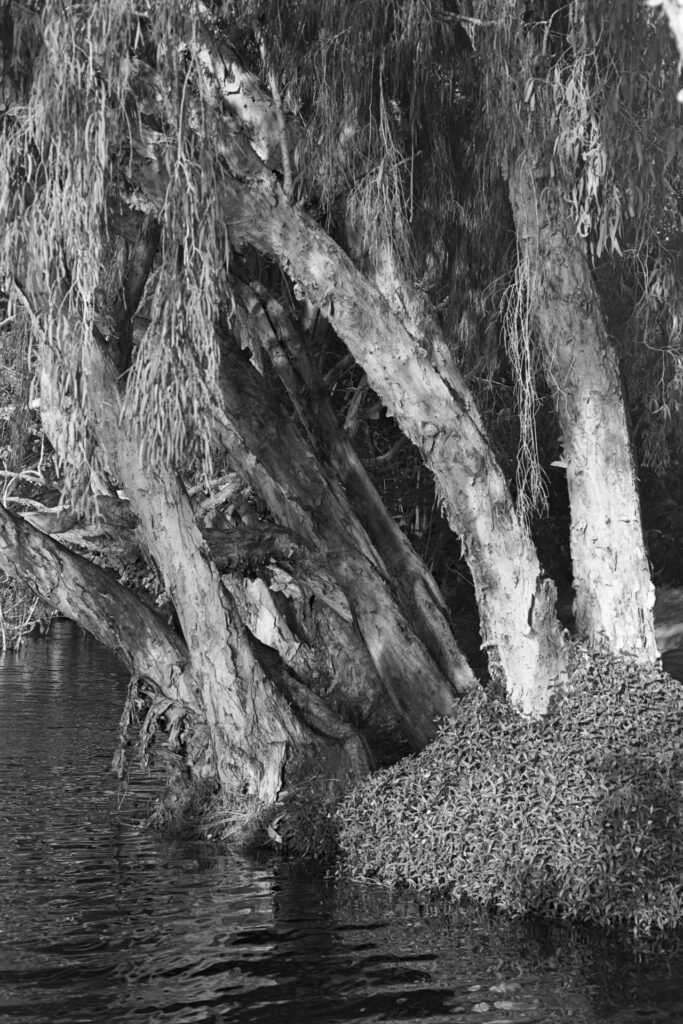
<point x="674" y="12"/>
<point x="433" y="408"/>
<point x="614" y="592"/>
<point x="265" y="445"/>
<point x="516" y="603"/>
<point x="357" y="512"/>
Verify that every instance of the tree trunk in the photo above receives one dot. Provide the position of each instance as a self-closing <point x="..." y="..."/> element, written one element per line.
<point x="285" y="596"/>
<point x="413" y="584"/>
<point x="265" y="446"/>
<point x="516" y="603"/>
<point x="255" y="733"/>
<point x="433" y="408"/>
<point x="87" y="594"/>
<point x="289" y="600"/>
<point x="306" y="496"/>
<point x="322" y="650"/>
<point x="252" y="106"/>
<point x="614" y="592"/>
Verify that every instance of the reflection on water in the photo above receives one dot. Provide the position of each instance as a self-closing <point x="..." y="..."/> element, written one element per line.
<point x="102" y="921"/>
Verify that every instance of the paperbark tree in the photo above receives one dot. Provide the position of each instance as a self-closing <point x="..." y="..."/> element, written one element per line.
<point x="580" y="190"/>
<point x="614" y="592"/>
<point x="122" y="115"/>
<point x="416" y="590"/>
<point x="255" y="731"/>
<point x="285" y="472"/>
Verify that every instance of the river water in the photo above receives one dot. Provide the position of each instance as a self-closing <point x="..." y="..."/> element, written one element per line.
<point x="104" y="921"/>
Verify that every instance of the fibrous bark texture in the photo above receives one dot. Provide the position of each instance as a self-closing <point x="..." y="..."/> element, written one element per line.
<point x="87" y="594"/>
<point x="516" y="603"/>
<point x="432" y="406"/>
<point x="253" y="726"/>
<point x="266" y="447"/>
<point x="614" y="592"/>
<point x="412" y="583"/>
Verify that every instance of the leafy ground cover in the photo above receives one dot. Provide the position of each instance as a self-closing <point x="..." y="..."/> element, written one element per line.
<point x="576" y="816"/>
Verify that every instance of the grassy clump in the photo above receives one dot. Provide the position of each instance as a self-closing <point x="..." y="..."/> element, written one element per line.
<point x="191" y="807"/>
<point x="576" y="816"/>
<point x="20" y="613"/>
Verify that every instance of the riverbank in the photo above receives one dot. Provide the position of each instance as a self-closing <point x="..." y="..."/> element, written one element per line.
<point x="577" y="816"/>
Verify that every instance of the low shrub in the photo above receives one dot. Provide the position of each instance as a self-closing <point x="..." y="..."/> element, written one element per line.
<point x="575" y="816"/>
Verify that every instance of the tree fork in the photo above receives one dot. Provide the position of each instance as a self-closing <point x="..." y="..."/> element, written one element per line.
<point x="434" y="411"/>
<point x="286" y="473"/>
<point x="518" y="617"/>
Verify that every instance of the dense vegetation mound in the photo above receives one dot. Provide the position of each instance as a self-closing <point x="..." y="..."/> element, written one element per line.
<point x="575" y="816"/>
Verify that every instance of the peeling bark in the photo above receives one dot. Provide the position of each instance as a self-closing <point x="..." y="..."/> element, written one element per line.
<point x="285" y="596"/>
<point x="614" y="592"/>
<point x="108" y="532"/>
<point x="87" y="594"/>
<point x="249" y="103"/>
<point x="282" y="468"/>
<point x="253" y="726"/>
<point x="322" y="650"/>
<point x="413" y="584"/>
<point x="277" y="463"/>
<point x="516" y="602"/>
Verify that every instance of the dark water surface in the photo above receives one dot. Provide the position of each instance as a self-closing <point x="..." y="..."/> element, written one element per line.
<point x="102" y="921"/>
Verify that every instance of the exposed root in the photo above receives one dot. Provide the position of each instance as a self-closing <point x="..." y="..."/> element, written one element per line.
<point x="152" y="714"/>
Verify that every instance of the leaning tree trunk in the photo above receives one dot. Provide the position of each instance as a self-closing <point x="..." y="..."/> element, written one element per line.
<point x="411" y="581"/>
<point x="286" y="597"/>
<point x="255" y="732"/>
<point x="614" y="591"/>
<point x="517" y="605"/>
<point x="516" y="602"/>
<point x="91" y="597"/>
<point x="306" y="496"/>
<point x="421" y="389"/>
<point x="265" y="446"/>
<point x="244" y="98"/>
<point x="290" y="601"/>
<point x="434" y="409"/>
<point x="154" y="654"/>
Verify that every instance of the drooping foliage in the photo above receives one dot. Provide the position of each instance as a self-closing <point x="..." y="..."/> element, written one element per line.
<point x="404" y="119"/>
<point x="65" y="155"/>
<point x="588" y="91"/>
<point x="591" y="88"/>
<point x="387" y="100"/>
<point x="413" y="111"/>
<point x="378" y="87"/>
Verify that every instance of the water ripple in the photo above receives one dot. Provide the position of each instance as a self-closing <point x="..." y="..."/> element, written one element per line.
<point x="102" y="921"/>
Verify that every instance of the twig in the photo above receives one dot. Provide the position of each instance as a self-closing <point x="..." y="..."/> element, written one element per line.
<point x="382" y="460"/>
